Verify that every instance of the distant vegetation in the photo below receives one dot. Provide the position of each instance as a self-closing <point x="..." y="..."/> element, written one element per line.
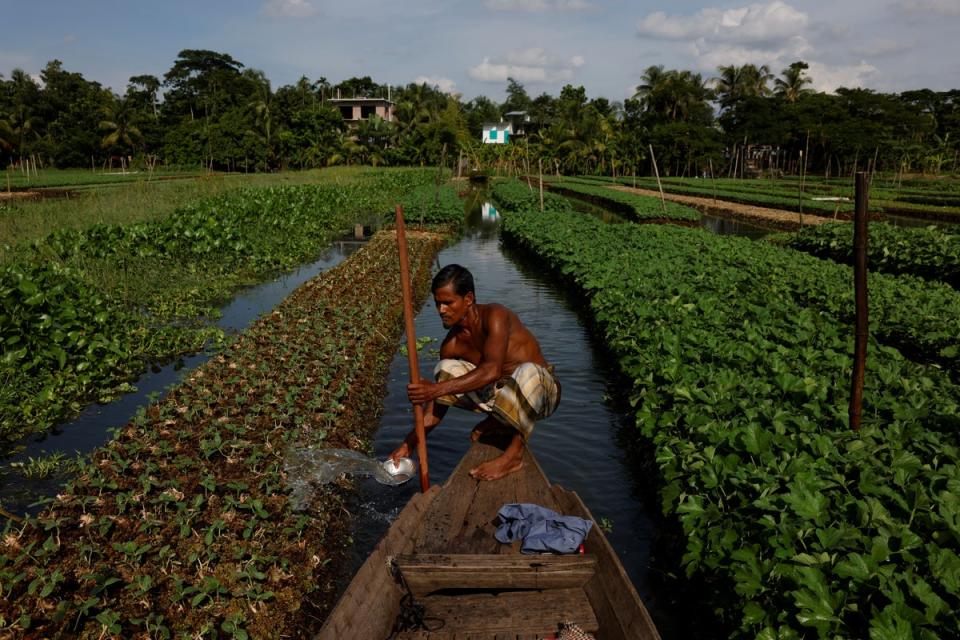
<point x="210" y="111"/>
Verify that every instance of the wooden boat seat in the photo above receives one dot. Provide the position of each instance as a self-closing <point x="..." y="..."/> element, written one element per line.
<point x="509" y="614"/>
<point x="427" y="573"/>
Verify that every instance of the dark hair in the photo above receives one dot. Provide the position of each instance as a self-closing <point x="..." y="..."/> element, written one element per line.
<point x="461" y="278"/>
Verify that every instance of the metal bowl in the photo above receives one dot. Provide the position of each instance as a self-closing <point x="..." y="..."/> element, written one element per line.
<point x="398" y="472"/>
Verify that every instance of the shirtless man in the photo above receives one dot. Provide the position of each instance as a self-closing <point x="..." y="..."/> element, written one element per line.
<point x="490" y="363"/>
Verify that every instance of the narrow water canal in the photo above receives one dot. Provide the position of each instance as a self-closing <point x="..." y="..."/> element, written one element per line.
<point x="578" y="446"/>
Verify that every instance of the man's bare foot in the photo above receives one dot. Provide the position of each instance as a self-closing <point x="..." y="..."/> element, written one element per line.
<point x="487" y="425"/>
<point x="499" y="467"/>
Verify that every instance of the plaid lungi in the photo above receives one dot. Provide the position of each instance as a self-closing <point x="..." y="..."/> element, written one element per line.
<point x="529" y="394"/>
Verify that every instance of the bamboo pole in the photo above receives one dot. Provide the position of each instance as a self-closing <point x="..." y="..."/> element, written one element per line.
<point x="860" y="237"/>
<point x="713" y="179"/>
<point x="412" y="347"/>
<point x="540" y="171"/>
<point x="663" y="201"/>
<point x="803" y="175"/>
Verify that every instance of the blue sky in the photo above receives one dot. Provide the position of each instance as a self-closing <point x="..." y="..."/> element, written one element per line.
<point x="471" y="46"/>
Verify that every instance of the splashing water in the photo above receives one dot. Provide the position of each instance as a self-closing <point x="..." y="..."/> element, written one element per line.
<point x="310" y="466"/>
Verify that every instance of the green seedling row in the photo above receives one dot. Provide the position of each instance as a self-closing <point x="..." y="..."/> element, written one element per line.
<point x="83" y="311"/>
<point x="514" y="195"/>
<point x="181" y="526"/>
<point x="796" y="525"/>
<point x="432" y="205"/>
<point x="786" y="195"/>
<point x="929" y="253"/>
<point x="636" y="207"/>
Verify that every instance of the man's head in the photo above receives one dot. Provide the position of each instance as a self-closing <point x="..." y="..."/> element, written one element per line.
<point x="453" y="294"/>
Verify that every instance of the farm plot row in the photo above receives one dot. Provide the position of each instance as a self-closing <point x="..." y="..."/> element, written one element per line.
<point x="785" y="194"/>
<point x="513" y="195"/>
<point x="768" y="197"/>
<point x="181" y="526"/>
<point x="806" y="528"/>
<point x="635" y="207"/>
<point x="83" y="311"/>
<point x="930" y="253"/>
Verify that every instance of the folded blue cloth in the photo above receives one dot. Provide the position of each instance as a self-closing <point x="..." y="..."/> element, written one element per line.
<point x="541" y="529"/>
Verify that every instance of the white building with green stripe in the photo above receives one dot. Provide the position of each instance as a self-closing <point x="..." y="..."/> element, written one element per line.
<point x="497" y="132"/>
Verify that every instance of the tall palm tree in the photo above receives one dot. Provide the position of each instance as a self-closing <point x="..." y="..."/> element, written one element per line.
<point x="745" y="81"/>
<point x="651" y="80"/>
<point x="119" y="125"/>
<point x="791" y="86"/>
<point x="262" y="104"/>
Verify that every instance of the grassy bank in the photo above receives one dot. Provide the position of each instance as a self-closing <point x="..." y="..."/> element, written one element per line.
<point x="181" y="526"/>
<point x="138" y="200"/>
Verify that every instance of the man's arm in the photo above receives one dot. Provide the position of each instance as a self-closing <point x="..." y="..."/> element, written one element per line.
<point x="432" y="415"/>
<point x="489" y="370"/>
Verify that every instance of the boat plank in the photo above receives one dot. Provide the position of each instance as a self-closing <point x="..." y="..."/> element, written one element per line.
<point x="476" y="534"/>
<point x="446" y="516"/>
<point x="516" y="612"/>
<point x="426" y="573"/>
<point x="353" y="616"/>
<point x="611" y="593"/>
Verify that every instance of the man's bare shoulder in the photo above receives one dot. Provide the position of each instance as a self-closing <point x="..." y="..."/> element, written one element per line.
<point x="494" y="311"/>
<point x="450" y="347"/>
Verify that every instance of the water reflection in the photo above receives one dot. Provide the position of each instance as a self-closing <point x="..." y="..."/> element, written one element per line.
<point x="728" y="227"/>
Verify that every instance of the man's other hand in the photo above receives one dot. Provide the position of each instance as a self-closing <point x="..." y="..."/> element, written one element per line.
<point x="421" y="393"/>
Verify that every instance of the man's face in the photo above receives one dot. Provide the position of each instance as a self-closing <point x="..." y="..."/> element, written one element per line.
<point x="452" y="307"/>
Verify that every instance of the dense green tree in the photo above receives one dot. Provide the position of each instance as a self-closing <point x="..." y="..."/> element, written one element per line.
<point x="794" y="81"/>
<point x="517" y="98"/>
<point x="119" y="126"/>
<point x="209" y="110"/>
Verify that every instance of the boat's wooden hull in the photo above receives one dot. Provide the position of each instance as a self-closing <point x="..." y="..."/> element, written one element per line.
<point x="471" y="586"/>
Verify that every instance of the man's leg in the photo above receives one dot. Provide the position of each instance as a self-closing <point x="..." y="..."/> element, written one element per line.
<point x="510" y="461"/>
<point x="487" y="425"/>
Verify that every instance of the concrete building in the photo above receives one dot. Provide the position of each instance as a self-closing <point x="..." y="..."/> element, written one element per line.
<point x="357" y="109"/>
<point x="497" y="132"/>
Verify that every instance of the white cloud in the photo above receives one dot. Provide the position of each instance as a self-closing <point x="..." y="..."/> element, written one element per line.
<point x="754" y="23"/>
<point x="829" y="78"/>
<point x="289" y="8"/>
<point x="928" y="7"/>
<point x="445" y="85"/>
<point x="527" y="65"/>
<point x="69" y="38"/>
<point x="710" y="55"/>
<point x="537" y="5"/>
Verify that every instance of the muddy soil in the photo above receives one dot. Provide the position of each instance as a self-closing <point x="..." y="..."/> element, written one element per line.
<point x="772" y="218"/>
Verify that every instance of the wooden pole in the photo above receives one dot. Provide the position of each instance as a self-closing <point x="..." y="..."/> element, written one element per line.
<point x="540" y="171"/>
<point x="656" y="172"/>
<point x="713" y="179"/>
<point x="860" y="295"/>
<point x="803" y="174"/>
<point x="412" y="348"/>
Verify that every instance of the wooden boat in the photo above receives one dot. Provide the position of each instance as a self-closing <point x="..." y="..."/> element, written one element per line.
<point x="440" y="554"/>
